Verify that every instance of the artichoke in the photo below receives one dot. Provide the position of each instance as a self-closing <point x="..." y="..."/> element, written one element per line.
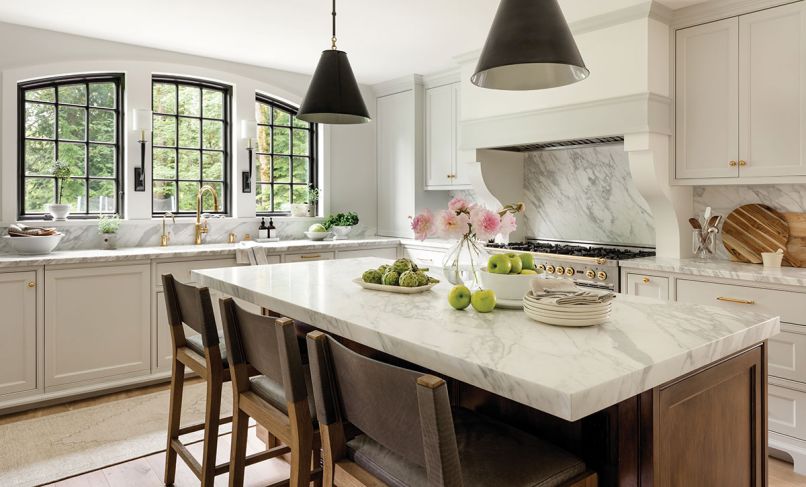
<point x="409" y="279"/>
<point x="401" y="265"/>
<point x="372" y="276"/>
<point x="422" y="278"/>
<point x="391" y="278"/>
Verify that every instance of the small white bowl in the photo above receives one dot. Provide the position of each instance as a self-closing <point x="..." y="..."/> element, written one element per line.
<point x="507" y="286"/>
<point x="34" y="245"/>
<point x="340" y="232"/>
<point x="317" y="235"/>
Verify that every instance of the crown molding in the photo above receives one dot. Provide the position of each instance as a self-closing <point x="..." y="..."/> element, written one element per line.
<point x="444" y="77"/>
<point x="702" y="13"/>
<point x="397" y="85"/>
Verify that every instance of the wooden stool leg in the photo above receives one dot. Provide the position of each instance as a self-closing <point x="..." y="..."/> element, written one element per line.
<point x="316" y="460"/>
<point x="174" y="418"/>
<point x="240" y="430"/>
<point x="211" y="421"/>
<point x="301" y="462"/>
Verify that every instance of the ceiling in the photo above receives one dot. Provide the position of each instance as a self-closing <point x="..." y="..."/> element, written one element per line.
<point x="384" y="38"/>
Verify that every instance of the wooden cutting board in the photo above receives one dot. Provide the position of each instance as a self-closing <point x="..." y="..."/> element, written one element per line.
<point x="750" y="230"/>
<point x="797" y="235"/>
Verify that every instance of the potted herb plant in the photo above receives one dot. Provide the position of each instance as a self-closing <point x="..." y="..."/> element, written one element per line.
<point x="108" y="226"/>
<point x="61" y="171"/>
<point x="341" y="224"/>
<point x="309" y="207"/>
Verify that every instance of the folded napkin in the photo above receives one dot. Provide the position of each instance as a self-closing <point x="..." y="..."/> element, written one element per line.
<point x="249" y="252"/>
<point x="566" y="293"/>
<point x="20" y="230"/>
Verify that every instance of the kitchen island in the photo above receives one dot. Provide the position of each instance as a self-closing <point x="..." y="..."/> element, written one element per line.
<point x="663" y="394"/>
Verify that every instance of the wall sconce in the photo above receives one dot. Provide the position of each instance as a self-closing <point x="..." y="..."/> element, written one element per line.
<point x="142" y="122"/>
<point x="248" y="131"/>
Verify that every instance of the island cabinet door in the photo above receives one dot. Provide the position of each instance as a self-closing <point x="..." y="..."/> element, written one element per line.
<point x="710" y="427"/>
<point x="97" y="323"/>
<point x="648" y="286"/>
<point x="18" y="332"/>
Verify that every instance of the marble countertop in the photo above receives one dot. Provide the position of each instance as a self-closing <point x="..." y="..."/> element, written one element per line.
<point x="212" y="249"/>
<point x="567" y="372"/>
<point x="720" y="268"/>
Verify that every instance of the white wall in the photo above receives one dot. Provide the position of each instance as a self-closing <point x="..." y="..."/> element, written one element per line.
<point x="347" y="153"/>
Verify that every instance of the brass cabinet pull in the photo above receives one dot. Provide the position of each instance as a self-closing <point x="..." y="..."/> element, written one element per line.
<point x="317" y="256"/>
<point x="735" y="300"/>
<point x="31" y="284"/>
<point x="732" y="163"/>
<point x="742" y="163"/>
<point x="646" y="280"/>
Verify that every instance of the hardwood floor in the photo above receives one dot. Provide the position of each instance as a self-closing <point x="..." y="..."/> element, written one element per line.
<point x="781" y="475"/>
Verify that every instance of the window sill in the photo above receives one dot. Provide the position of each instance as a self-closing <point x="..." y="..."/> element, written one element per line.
<point x="183" y="219"/>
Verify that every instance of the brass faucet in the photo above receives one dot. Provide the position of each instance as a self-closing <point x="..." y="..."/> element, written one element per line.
<point x="164" y="238"/>
<point x="201" y="228"/>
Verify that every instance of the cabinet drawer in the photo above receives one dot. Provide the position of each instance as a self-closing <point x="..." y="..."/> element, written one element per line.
<point x="648" y="286"/>
<point x="787" y="411"/>
<point x="387" y="253"/>
<point x="787" y="353"/>
<point x="791" y="307"/>
<point x="181" y="270"/>
<point x="308" y="256"/>
<point x="424" y="258"/>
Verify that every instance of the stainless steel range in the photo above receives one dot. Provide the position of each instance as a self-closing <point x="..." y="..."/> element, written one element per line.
<point x="586" y="264"/>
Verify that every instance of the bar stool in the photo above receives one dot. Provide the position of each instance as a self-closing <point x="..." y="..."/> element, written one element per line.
<point x="204" y="355"/>
<point x="278" y="399"/>
<point x="408" y="434"/>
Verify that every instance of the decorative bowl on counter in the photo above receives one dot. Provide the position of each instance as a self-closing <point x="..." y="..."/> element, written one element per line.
<point x="507" y="287"/>
<point x="34" y="245"/>
<point x="317" y="235"/>
<point x="340" y="233"/>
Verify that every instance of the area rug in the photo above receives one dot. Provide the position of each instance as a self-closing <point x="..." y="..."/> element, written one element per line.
<point x="45" y="449"/>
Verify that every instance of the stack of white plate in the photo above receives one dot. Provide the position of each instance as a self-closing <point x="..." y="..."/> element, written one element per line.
<point x="550" y="313"/>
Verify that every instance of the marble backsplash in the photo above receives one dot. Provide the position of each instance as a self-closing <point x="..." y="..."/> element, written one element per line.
<point x="84" y="236"/>
<point x="585" y="194"/>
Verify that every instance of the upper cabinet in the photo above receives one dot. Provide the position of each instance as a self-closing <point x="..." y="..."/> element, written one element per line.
<point x="444" y="164"/>
<point x="741" y="97"/>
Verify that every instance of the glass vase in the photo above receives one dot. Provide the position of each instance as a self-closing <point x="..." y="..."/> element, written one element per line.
<point x="463" y="262"/>
<point x="703" y="245"/>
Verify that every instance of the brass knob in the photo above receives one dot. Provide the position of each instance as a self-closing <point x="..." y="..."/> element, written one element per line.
<point x="31" y="284"/>
<point x="550" y="269"/>
<point x="559" y="270"/>
<point x="590" y="274"/>
<point x="742" y="163"/>
<point x="732" y="163"/>
<point x="541" y="267"/>
<point x="601" y="275"/>
<point x="448" y="176"/>
<point x="569" y="271"/>
<point x="646" y="280"/>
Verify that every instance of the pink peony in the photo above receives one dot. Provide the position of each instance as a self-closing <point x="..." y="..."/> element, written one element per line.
<point x="451" y="225"/>
<point x="423" y="225"/>
<point x="508" y="224"/>
<point x="485" y="223"/>
<point x="458" y="205"/>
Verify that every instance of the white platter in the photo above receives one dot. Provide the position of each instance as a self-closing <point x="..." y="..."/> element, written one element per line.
<point x="566" y="321"/>
<point x="570" y="309"/>
<point x="509" y="303"/>
<point x="394" y="289"/>
<point x="562" y="314"/>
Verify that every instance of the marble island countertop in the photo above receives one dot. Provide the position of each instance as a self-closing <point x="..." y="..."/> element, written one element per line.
<point x="171" y="251"/>
<point x="567" y="372"/>
<point x="724" y="269"/>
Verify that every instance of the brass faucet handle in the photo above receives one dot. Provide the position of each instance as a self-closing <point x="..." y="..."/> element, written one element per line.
<point x="231" y="238"/>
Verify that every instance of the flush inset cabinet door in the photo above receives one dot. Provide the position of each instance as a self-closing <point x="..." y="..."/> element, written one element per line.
<point x="18" y="332"/>
<point x="648" y="286"/>
<point x="97" y="323"/>
<point x="444" y="162"/>
<point x="397" y="162"/>
<point x="772" y="89"/>
<point x="707" y="100"/>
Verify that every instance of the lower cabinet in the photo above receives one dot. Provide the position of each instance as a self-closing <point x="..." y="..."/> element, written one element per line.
<point x="18" y="345"/>
<point x="648" y="286"/>
<point x="97" y="323"/>
<point x="424" y="257"/>
<point x="309" y="256"/>
<point x="387" y="253"/>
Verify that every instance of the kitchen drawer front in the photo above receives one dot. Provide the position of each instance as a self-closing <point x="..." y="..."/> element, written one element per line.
<point x="791" y="307"/>
<point x="787" y="353"/>
<point x="308" y="256"/>
<point x="424" y="258"/>
<point x="181" y="270"/>
<point x="386" y="253"/>
<point x="787" y="411"/>
<point x="648" y="286"/>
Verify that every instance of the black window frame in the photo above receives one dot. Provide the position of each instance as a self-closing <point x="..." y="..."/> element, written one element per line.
<point x="224" y="200"/>
<point x="119" y="80"/>
<point x="313" y="154"/>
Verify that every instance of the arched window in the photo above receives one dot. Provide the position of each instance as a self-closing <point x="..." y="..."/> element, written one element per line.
<point x="285" y="157"/>
<point x="77" y="121"/>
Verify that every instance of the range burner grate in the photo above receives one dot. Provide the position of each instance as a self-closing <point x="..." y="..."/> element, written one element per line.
<point x="576" y="250"/>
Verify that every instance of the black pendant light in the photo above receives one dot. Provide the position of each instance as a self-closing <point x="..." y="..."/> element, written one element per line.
<point x="529" y="47"/>
<point x="333" y="96"/>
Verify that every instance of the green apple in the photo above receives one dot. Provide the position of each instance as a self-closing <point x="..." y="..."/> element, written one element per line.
<point x="517" y="264"/>
<point x="317" y="228"/>
<point x="459" y="297"/>
<point x="499" y="264"/>
<point x="483" y="301"/>
<point x="527" y="261"/>
<point x="528" y="271"/>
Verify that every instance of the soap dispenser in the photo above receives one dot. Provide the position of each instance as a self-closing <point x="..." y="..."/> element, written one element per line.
<point x="262" y="230"/>
<point x="271" y="226"/>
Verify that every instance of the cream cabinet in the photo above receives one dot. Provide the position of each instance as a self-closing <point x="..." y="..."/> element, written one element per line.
<point x="97" y="323"/>
<point x="648" y="286"/>
<point x="18" y="333"/>
<point x="444" y="162"/>
<point x="308" y="256"/>
<point x="384" y="253"/>
<point x="740" y="87"/>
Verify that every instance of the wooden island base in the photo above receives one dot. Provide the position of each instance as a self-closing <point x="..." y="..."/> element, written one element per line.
<point x="707" y="428"/>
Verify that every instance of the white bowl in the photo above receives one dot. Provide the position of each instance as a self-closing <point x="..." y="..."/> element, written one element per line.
<point x="34" y="245"/>
<point x="507" y="286"/>
<point x="317" y="235"/>
<point x="341" y="232"/>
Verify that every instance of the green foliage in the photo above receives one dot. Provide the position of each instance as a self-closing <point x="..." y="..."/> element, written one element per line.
<point x="61" y="171"/>
<point x="108" y="224"/>
<point x="341" y="220"/>
<point x="313" y="197"/>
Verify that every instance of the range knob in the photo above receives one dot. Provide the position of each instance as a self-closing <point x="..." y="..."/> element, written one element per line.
<point x="590" y="274"/>
<point x="550" y="269"/>
<point x="601" y="275"/>
<point x="569" y="271"/>
<point x="559" y="270"/>
<point x="541" y="267"/>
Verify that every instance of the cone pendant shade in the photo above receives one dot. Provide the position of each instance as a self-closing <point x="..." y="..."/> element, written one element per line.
<point x="529" y="47"/>
<point x="333" y="96"/>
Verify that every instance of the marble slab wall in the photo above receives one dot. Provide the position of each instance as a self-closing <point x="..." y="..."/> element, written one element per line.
<point x="81" y="236"/>
<point x="585" y="194"/>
